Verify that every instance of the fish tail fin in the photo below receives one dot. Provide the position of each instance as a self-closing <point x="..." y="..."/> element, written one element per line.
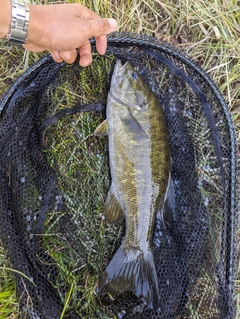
<point x="131" y="271"/>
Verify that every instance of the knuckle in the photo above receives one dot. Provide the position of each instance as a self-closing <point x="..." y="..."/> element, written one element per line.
<point x="104" y="24"/>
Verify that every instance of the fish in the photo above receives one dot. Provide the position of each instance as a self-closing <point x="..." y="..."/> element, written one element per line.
<point x="140" y="167"/>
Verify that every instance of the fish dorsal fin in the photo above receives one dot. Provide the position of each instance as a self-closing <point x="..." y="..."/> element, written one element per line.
<point x="132" y="126"/>
<point x="112" y="208"/>
<point x="102" y="129"/>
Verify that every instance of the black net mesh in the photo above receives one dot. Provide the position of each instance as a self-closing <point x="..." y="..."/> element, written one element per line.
<point x="54" y="178"/>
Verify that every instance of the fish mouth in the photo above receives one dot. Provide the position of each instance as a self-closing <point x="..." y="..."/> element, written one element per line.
<point x="117" y="67"/>
<point x="119" y="70"/>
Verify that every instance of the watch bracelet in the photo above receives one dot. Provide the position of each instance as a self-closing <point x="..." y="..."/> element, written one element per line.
<point x="19" y="22"/>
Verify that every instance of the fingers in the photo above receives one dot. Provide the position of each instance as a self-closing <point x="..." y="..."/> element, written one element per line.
<point x="85" y="52"/>
<point x="84" y="26"/>
<point x="101" y="44"/>
<point x="103" y="26"/>
<point x="67" y="56"/>
<point x="56" y="56"/>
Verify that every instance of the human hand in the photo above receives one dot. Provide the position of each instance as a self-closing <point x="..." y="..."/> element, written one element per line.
<point x="62" y="28"/>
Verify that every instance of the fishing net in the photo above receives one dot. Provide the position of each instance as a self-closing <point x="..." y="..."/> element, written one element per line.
<point x="54" y="178"/>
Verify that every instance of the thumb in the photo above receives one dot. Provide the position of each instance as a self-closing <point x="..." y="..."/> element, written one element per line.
<point x="112" y="23"/>
<point x="100" y="26"/>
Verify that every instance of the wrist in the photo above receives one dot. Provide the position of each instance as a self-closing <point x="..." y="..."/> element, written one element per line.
<point x="5" y="17"/>
<point x="37" y="24"/>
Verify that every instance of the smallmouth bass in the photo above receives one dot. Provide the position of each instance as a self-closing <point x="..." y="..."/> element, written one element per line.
<point x="139" y="157"/>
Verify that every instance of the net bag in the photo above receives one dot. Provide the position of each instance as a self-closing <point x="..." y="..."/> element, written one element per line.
<point x="54" y="178"/>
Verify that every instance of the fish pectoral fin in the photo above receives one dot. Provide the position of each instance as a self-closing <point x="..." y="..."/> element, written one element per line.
<point x="102" y="129"/>
<point x="134" y="271"/>
<point x="132" y="126"/>
<point x="112" y="208"/>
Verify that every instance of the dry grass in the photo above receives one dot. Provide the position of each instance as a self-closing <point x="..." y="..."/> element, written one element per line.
<point x="208" y="31"/>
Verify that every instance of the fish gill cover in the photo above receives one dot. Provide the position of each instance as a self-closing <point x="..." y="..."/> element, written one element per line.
<point x="54" y="180"/>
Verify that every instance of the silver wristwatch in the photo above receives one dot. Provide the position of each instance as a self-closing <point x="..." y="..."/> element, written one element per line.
<point x="19" y="24"/>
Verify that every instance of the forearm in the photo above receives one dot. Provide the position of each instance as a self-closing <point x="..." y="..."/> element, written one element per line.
<point x="5" y="17"/>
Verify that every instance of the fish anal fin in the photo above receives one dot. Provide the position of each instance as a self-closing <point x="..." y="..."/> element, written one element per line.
<point x="112" y="208"/>
<point x="102" y="129"/>
<point x="131" y="271"/>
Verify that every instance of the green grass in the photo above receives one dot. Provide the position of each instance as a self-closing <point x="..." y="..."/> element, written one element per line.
<point x="8" y="303"/>
<point x="208" y="31"/>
